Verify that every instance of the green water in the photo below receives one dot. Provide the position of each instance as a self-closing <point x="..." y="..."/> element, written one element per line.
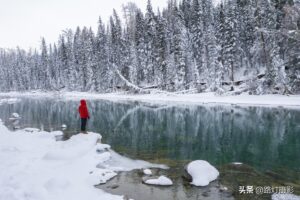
<point x="266" y="139"/>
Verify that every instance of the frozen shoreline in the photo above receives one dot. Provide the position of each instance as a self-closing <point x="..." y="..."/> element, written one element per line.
<point x="292" y="101"/>
<point x="35" y="166"/>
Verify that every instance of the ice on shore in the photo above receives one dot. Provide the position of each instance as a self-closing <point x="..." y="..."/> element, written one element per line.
<point x="57" y="133"/>
<point x="285" y="197"/>
<point x="9" y="100"/>
<point x="15" y="115"/>
<point x="32" y="130"/>
<point x="237" y="163"/>
<point x="37" y="167"/>
<point x="147" y="172"/>
<point x="271" y="100"/>
<point x="202" y="172"/>
<point x="162" y="180"/>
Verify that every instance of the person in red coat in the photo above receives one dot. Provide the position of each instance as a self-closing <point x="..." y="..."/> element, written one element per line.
<point x="84" y="115"/>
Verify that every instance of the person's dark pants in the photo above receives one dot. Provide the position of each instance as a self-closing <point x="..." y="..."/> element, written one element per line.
<point x="83" y="124"/>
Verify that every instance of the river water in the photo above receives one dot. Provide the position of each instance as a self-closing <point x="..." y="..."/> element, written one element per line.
<point x="267" y="140"/>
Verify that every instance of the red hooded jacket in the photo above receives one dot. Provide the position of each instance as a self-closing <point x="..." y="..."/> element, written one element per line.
<point x="83" y="110"/>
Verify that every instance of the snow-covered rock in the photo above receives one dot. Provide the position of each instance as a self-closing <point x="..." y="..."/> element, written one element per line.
<point x="15" y="115"/>
<point x="32" y="130"/>
<point x="9" y="100"/>
<point x="121" y="163"/>
<point x="147" y="172"/>
<point x="162" y="180"/>
<point x="16" y="127"/>
<point x="100" y="148"/>
<point x="285" y="197"/>
<point x="237" y="163"/>
<point x="57" y="133"/>
<point x="64" y="126"/>
<point x="202" y="172"/>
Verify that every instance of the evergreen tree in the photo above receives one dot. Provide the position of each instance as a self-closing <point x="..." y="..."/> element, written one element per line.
<point x="251" y="46"/>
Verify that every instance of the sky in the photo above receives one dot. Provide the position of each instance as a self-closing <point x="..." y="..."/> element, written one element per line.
<point x="24" y="22"/>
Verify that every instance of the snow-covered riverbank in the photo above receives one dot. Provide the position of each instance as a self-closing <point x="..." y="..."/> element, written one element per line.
<point x="34" y="166"/>
<point x="203" y="98"/>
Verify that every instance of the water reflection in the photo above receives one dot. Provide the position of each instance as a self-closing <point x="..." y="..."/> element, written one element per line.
<point x="266" y="138"/>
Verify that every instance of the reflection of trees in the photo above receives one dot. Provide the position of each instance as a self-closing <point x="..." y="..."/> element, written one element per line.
<point x="265" y="137"/>
<point x="219" y="134"/>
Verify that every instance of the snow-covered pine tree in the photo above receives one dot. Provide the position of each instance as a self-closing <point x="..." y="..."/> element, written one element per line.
<point x="149" y="35"/>
<point x="140" y="47"/>
<point x="220" y="38"/>
<point x="162" y="51"/>
<point x="101" y="75"/>
<point x="289" y="42"/>
<point x="189" y="44"/>
<point x="88" y="59"/>
<point x="44" y="68"/>
<point x="63" y="64"/>
<point x="265" y="49"/>
<point x="197" y="34"/>
<point x="246" y="32"/>
<point x="231" y="45"/>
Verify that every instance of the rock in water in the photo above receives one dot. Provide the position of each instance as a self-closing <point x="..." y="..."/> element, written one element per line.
<point x="32" y="130"/>
<point x="162" y="180"/>
<point x="202" y="172"/>
<point x="15" y="116"/>
<point x="237" y="163"/>
<point x="147" y="172"/>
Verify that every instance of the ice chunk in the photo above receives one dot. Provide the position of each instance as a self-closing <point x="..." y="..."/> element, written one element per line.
<point x="102" y="147"/>
<point x="162" y="180"/>
<point x="202" y="172"/>
<point x="9" y="100"/>
<point x="121" y="163"/>
<point x="57" y="133"/>
<point x="31" y="130"/>
<point x="101" y="176"/>
<point x="285" y="197"/>
<point x="15" y="115"/>
<point x="147" y="172"/>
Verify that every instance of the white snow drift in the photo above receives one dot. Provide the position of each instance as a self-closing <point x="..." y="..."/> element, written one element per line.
<point x="147" y="172"/>
<point x="9" y="100"/>
<point x="162" y="180"/>
<point x="34" y="166"/>
<point x="291" y="101"/>
<point x="285" y="197"/>
<point x="202" y="172"/>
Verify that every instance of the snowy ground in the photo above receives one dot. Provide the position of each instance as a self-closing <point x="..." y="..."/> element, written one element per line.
<point x="9" y="100"/>
<point x="34" y="166"/>
<point x="292" y="101"/>
<point x="285" y="197"/>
